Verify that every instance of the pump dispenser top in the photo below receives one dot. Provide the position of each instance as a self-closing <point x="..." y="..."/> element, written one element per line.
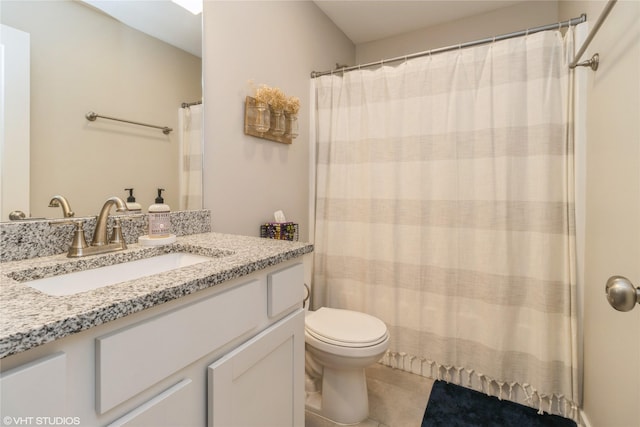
<point x="131" y="202"/>
<point x="159" y="199"/>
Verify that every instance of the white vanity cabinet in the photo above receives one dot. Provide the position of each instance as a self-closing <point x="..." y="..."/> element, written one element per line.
<point x="230" y="355"/>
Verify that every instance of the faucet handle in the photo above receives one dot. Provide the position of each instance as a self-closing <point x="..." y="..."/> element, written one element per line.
<point x="116" y="234"/>
<point x="79" y="243"/>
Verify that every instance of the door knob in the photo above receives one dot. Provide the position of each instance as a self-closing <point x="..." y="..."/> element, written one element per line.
<point x="621" y="293"/>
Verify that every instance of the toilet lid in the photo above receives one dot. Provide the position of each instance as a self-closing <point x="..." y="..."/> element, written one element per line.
<point x="345" y="327"/>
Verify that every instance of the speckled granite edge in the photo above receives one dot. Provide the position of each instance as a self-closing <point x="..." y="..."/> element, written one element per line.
<point x="31" y="318"/>
<point x="22" y="240"/>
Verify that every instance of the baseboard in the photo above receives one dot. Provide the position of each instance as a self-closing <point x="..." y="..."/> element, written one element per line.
<point x="584" y="421"/>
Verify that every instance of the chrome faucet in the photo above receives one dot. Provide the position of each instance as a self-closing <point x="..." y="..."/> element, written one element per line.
<point x="100" y="234"/>
<point x="60" y="201"/>
<point x="100" y="243"/>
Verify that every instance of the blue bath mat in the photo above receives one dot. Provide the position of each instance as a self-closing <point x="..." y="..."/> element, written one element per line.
<point x="454" y="406"/>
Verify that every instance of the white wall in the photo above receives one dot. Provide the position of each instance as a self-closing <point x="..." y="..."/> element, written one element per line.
<point x="612" y="247"/>
<point x="501" y="21"/>
<point x="83" y="60"/>
<point x="277" y="43"/>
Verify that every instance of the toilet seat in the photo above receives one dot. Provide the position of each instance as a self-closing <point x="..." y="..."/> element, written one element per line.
<point x="345" y="328"/>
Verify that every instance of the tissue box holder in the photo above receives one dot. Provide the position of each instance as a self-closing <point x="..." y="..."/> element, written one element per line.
<point x="279" y="230"/>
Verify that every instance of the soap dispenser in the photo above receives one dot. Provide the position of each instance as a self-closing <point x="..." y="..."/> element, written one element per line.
<point x="159" y="218"/>
<point x="132" y="206"/>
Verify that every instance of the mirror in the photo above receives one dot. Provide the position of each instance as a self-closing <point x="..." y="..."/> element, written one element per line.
<point x="83" y="60"/>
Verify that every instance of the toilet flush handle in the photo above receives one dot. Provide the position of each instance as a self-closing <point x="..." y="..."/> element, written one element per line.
<point x="306" y="298"/>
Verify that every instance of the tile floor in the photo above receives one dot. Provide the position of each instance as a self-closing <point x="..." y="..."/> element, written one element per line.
<point x="396" y="399"/>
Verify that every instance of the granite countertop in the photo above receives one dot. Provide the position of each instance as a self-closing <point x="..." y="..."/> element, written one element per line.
<point x="31" y="318"/>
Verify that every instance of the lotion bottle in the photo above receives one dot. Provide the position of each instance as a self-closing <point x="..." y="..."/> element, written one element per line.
<point x="159" y="218"/>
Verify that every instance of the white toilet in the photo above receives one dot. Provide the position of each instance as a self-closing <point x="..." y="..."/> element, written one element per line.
<point x="339" y="345"/>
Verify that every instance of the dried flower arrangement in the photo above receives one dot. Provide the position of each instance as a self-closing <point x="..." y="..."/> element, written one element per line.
<point x="292" y="105"/>
<point x="276" y="99"/>
<point x="272" y="96"/>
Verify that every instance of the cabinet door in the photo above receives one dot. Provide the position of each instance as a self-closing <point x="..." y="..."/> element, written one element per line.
<point x="36" y="389"/>
<point x="261" y="383"/>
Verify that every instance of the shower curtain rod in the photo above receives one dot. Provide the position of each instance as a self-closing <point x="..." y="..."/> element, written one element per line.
<point x="593" y="62"/>
<point x="573" y="21"/>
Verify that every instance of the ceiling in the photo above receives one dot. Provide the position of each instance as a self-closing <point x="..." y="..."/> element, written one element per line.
<point x="365" y="20"/>
<point x="163" y="20"/>
<point x="361" y="20"/>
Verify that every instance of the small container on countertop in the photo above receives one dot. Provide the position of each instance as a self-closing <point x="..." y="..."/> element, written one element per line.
<point x="159" y="224"/>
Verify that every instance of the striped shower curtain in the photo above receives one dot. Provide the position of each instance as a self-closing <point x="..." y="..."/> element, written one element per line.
<point x="444" y="206"/>
<point x="190" y="157"/>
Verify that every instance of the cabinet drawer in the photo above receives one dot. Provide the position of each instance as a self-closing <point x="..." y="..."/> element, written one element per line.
<point x="166" y="409"/>
<point x="130" y="360"/>
<point x="285" y="289"/>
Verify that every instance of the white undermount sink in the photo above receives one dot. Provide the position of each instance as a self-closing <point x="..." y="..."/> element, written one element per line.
<point x="82" y="281"/>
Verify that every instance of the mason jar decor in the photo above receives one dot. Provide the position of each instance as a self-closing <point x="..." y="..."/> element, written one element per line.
<point x="277" y="122"/>
<point x="291" y="109"/>
<point x="290" y="125"/>
<point x="260" y="117"/>
<point x="276" y="99"/>
<point x="272" y="115"/>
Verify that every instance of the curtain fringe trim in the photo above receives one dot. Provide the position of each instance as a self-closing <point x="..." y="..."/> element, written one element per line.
<point x="489" y="386"/>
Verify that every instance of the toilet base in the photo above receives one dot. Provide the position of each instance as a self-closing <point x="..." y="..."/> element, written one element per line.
<point x="343" y="398"/>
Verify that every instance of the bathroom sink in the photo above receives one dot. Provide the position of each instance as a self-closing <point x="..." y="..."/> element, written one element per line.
<point x="86" y="280"/>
